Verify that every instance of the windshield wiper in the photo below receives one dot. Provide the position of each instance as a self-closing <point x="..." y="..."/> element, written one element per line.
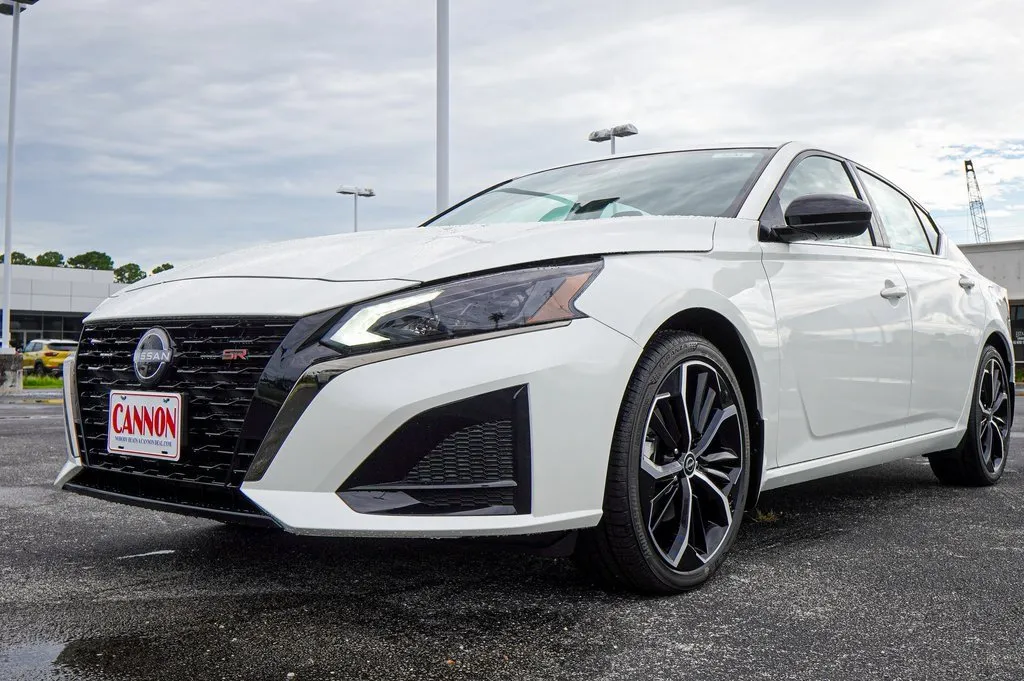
<point x="543" y="195"/>
<point x="583" y="211"/>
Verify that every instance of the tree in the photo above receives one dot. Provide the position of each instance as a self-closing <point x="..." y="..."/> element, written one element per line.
<point x="92" y="260"/>
<point x="50" y="259"/>
<point x="163" y="268"/>
<point x="19" y="258"/>
<point x="129" y="273"/>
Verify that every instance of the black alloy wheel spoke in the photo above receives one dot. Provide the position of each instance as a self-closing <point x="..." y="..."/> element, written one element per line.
<point x="656" y="472"/>
<point x="690" y="465"/>
<point x="716" y="510"/>
<point x="664" y="423"/>
<point x="999" y="401"/>
<point x="662" y="503"/>
<point x="708" y="435"/>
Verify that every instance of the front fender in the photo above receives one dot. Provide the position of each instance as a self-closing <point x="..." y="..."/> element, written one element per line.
<point x="636" y="294"/>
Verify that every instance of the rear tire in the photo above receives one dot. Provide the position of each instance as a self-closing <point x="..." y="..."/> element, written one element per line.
<point x="980" y="459"/>
<point x="678" y="472"/>
<point x="39" y="369"/>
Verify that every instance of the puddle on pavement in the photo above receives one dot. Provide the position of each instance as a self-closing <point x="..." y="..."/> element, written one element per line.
<point x="31" y="661"/>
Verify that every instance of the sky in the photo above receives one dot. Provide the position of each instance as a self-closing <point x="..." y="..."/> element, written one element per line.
<point x="171" y="131"/>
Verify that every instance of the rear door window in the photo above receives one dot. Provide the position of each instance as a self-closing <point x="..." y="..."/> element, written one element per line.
<point x="898" y="216"/>
<point x="64" y="347"/>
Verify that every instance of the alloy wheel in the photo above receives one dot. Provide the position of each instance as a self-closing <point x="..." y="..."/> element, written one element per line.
<point x="690" y="465"/>
<point x="993" y="424"/>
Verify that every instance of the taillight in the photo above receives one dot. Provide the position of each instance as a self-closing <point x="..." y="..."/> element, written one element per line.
<point x="50" y="353"/>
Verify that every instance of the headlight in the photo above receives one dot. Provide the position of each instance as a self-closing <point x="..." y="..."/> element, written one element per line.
<point x="476" y="305"/>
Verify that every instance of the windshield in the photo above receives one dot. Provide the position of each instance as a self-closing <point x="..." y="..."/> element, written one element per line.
<point x="707" y="182"/>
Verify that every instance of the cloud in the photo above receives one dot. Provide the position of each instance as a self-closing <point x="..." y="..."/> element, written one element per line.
<point x="165" y="130"/>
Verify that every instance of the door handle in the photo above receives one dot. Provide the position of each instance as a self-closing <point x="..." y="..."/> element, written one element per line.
<point x="893" y="292"/>
<point x="966" y="283"/>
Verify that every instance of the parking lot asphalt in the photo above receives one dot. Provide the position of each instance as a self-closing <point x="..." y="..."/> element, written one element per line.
<point x="878" y="574"/>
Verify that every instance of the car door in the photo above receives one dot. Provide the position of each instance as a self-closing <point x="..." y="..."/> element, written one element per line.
<point x="28" y="358"/>
<point x="844" y="328"/>
<point x="947" y="307"/>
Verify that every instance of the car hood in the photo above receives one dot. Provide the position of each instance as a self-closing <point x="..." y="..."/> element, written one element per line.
<point x="425" y="254"/>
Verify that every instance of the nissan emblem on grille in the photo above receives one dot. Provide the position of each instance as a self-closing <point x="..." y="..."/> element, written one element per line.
<point x="153" y="356"/>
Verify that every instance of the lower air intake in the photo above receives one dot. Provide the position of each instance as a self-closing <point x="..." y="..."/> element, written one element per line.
<point x="470" y="457"/>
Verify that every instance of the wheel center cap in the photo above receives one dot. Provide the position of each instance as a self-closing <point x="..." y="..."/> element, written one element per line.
<point x="689" y="464"/>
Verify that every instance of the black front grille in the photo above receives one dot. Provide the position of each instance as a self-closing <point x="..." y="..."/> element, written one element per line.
<point x="216" y="393"/>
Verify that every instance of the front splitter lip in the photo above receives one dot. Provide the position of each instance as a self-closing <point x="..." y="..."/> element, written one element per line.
<point x="293" y="511"/>
<point x="232" y="517"/>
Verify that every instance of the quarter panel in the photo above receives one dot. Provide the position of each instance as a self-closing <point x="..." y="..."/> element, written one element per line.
<point x="949" y="324"/>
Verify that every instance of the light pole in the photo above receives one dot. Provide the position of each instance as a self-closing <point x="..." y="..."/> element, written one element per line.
<point x="10" y="8"/>
<point x="624" y="130"/>
<point x="442" y="105"/>
<point x="356" y="192"/>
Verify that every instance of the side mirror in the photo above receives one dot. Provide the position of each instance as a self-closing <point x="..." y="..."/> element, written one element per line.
<point x="823" y="217"/>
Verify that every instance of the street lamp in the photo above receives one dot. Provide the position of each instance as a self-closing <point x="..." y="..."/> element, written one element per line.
<point x="624" y="130"/>
<point x="356" y="192"/>
<point x="10" y="8"/>
<point x="441" y="151"/>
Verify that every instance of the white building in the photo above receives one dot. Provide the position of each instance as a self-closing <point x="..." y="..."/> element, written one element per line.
<point x="51" y="302"/>
<point x="1003" y="263"/>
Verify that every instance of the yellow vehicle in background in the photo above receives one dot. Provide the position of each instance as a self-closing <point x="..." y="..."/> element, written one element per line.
<point x="46" y="356"/>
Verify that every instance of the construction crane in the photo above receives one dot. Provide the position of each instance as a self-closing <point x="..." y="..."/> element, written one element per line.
<point x="977" y="206"/>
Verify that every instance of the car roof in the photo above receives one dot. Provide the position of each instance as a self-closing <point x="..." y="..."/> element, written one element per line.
<point x="52" y="340"/>
<point x="670" y="150"/>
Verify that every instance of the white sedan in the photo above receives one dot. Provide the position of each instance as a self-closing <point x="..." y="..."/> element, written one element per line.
<point x="619" y="355"/>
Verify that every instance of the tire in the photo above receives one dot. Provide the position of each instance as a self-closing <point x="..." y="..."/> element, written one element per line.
<point x="646" y="541"/>
<point x="980" y="459"/>
<point x="39" y="369"/>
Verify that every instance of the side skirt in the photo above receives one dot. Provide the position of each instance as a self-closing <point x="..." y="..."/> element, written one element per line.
<point x="861" y="458"/>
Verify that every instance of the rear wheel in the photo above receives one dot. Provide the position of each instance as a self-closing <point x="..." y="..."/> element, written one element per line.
<point x="981" y="457"/>
<point x="678" y="471"/>
<point x="39" y="369"/>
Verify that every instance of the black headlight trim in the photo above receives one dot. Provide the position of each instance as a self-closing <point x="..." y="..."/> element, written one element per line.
<point x="406" y="319"/>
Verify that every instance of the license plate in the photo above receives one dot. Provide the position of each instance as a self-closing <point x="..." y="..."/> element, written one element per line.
<point x="145" y="424"/>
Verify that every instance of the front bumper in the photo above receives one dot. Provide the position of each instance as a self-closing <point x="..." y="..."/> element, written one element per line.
<point x="574" y="375"/>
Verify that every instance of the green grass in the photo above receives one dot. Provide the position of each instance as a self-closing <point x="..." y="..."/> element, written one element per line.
<point x="31" y="382"/>
<point x="1020" y="375"/>
<point x="765" y="517"/>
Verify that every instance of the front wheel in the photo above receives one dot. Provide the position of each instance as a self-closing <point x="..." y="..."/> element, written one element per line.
<point x="981" y="457"/>
<point x="678" y="471"/>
